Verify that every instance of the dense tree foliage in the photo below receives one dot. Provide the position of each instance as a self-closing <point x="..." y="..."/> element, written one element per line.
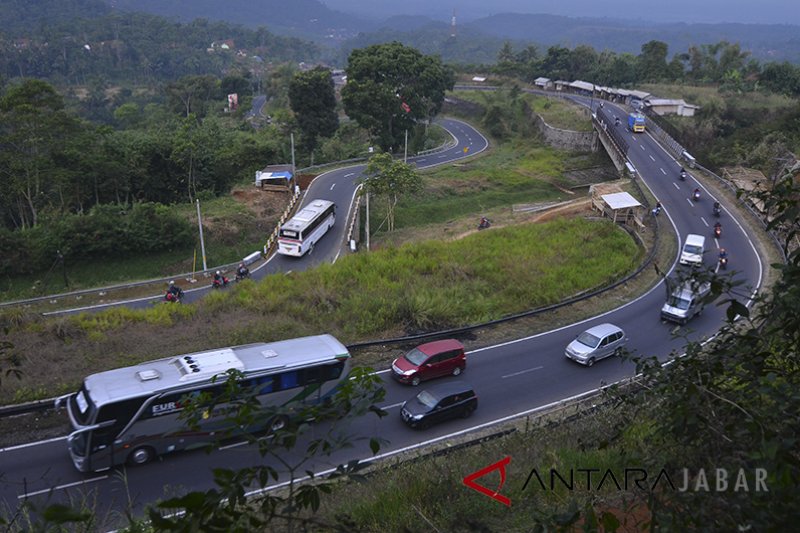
<point x="106" y="230"/>
<point x="390" y="87"/>
<point x="51" y="161"/>
<point x="313" y="101"/>
<point x="723" y="63"/>
<point x="138" y="48"/>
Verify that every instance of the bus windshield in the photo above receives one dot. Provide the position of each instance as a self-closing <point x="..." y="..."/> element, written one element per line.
<point x="83" y="407"/>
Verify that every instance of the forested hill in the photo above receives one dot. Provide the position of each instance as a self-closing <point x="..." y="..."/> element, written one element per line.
<point x="772" y="42"/>
<point x="63" y="45"/>
<point x="20" y="17"/>
<point x="307" y="18"/>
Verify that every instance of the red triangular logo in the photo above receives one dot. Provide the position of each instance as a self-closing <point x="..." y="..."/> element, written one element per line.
<point x="469" y="481"/>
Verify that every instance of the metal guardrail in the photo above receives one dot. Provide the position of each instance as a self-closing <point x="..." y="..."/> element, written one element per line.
<point x="102" y="290"/>
<point x="351" y="225"/>
<point x="286" y="212"/>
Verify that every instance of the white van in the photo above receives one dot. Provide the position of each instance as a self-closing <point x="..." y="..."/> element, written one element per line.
<point x="685" y="301"/>
<point x="692" y="253"/>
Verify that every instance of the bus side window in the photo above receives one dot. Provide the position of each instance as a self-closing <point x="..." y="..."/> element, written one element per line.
<point x="265" y="384"/>
<point x="333" y="371"/>
<point x="120" y="411"/>
<point x="289" y="380"/>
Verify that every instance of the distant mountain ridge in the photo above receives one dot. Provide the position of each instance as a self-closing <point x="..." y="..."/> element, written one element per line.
<point x="475" y="42"/>
<point x="764" y="41"/>
<point x="300" y="18"/>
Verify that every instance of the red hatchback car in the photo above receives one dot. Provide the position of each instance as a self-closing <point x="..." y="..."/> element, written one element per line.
<point x="431" y="360"/>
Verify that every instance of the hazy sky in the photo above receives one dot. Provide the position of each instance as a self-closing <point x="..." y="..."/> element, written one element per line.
<point x="746" y="11"/>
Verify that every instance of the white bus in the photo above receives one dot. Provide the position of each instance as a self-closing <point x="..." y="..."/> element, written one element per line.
<point x="298" y="235"/>
<point x="131" y="415"/>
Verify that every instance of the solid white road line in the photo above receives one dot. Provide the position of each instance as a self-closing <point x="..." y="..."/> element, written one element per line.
<point x="31" y="444"/>
<point x="534" y="369"/>
<point x="59" y="487"/>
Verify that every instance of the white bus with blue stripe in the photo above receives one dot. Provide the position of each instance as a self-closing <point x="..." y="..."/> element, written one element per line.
<point x="133" y="414"/>
<point x="298" y="236"/>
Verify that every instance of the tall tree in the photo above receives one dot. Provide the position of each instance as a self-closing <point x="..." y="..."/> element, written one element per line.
<point x="556" y="62"/>
<point x="192" y="94"/>
<point x="33" y="129"/>
<point x="390" y="179"/>
<point x="313" y="101"/>
<point x="653" y="61"/>
<point x="391" y="86"/>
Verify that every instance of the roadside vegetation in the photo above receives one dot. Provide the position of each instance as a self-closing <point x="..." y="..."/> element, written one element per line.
<point x="516" y="169"/>
<point x="233" y="227"/>
<point x="413" y="288"/>
<point x="556" y="112"/>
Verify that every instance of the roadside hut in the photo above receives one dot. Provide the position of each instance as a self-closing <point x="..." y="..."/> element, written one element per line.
<point x="620" y="207"/>
<point x="276" y="178"/>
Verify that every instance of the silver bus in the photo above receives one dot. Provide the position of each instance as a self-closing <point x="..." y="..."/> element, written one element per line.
<point x="299" y="234"/>
<point x="133" y="414"/>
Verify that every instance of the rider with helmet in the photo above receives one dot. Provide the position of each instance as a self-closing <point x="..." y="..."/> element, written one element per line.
<point x="242" y="272"/>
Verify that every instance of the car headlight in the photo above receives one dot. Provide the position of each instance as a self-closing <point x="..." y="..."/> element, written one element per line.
<point x="416" y="417"/>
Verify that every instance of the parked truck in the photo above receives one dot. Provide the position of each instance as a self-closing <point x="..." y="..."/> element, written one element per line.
<point x="636" y="122"/>
<point x="685" y="301"/>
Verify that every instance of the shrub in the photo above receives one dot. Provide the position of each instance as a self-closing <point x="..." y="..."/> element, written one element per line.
<point x="107" y="229"/>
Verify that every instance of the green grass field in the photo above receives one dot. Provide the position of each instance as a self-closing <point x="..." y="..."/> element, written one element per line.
<point x="416" y="287"/>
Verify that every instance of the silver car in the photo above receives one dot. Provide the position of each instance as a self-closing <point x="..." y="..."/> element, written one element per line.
<point x="596" y="343"/>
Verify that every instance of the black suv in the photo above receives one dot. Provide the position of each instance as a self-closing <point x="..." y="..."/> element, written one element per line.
<point x="439" y="402"/>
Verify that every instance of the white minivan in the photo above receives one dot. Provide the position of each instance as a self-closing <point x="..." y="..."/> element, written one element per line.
<point x="692" y="252"/>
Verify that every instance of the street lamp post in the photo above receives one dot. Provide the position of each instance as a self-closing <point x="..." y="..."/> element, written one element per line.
<point x="202" y="243"/>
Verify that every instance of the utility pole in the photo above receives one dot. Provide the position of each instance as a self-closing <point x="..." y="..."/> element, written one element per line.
<point x="291" y="137"/>
<point x="202" y="243"/>
<point x="366" y="224"/>
<point x="405" y="152"/>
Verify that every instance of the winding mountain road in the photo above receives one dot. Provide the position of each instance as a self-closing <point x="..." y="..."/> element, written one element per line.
<point x="510" y="379"/>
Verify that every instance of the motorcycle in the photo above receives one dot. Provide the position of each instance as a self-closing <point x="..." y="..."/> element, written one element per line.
<point x="717" y="232"/>
<point x="723" y="263"/>
<point x="717" y="210"/>
<point x="682" y="175"/>
<point x="241" y="275"/>
<point x="219" y="283"/>
<point x="484" y="223"/>
<point x="696" y="196"/>
<point x="174" y="297"/>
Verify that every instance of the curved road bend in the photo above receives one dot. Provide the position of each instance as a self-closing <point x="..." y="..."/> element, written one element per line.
<point x="510" y="378"/>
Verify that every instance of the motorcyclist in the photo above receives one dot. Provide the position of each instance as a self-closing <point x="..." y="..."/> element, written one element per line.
<point x="657" y="209"/>
<point x="717" y="228"/>
<point x="723" y="253"/>
<point x="242" y="272"/>
<point x="717" y="208"/>
<point x="696" y="194"/>
<point x="484" y="223"/>
<point x="174" y="291"/>
<point x="219" y="279"/>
